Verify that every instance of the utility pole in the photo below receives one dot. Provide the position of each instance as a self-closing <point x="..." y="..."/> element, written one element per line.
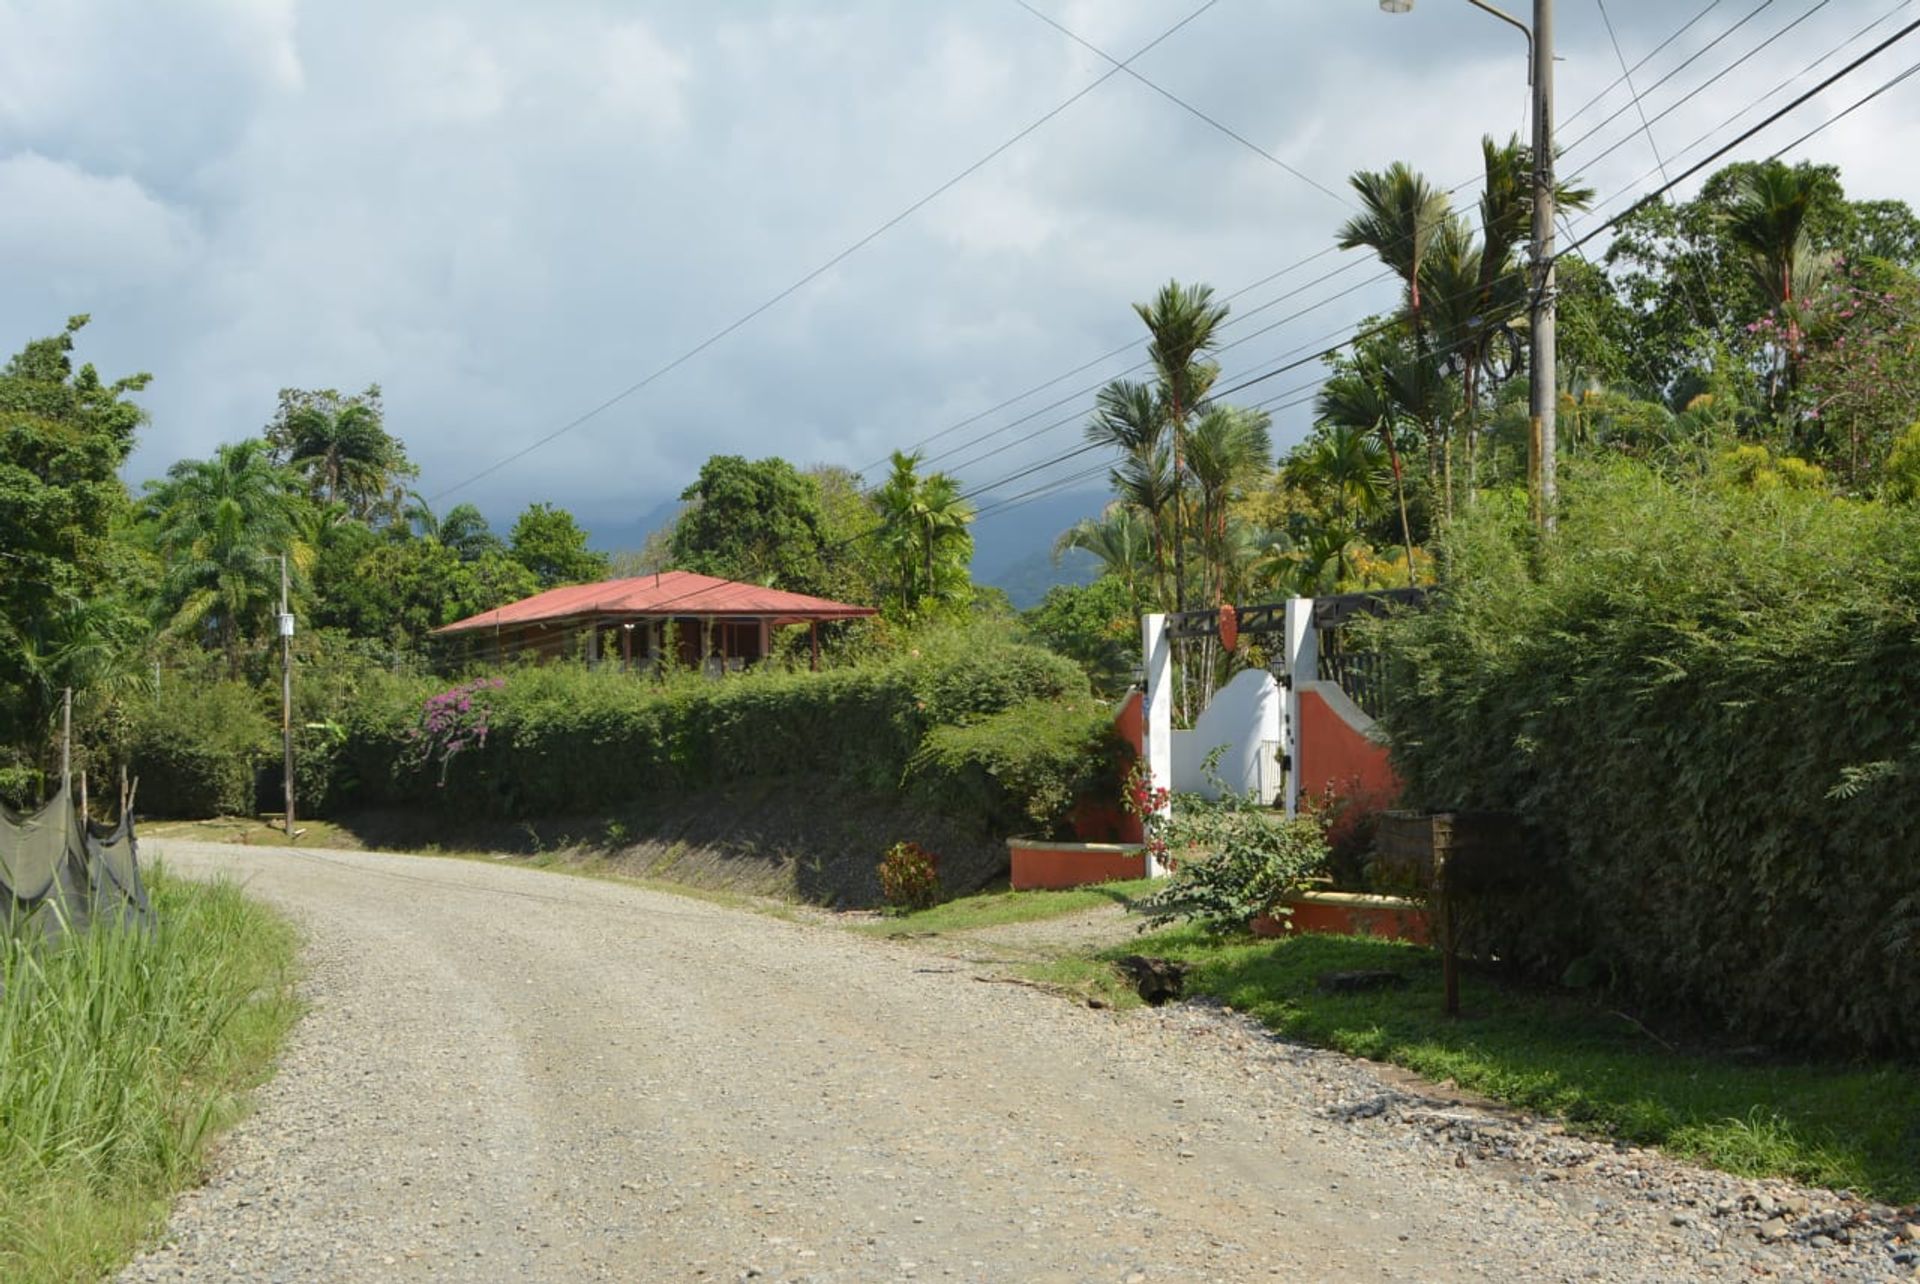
<point x="286" y="695"/>
<point x="1543" y="392"/>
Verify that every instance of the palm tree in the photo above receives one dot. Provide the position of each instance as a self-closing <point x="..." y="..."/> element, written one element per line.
<point x="1357" y="399"/>
<point x="342" y="448"/>
<point x="1401" y="213"/>
<point x="1345" y="466"/>
<point x="1767" y="221"/>
<point x="1227" y="450"/>
<point x="220" y="523"/>
<point x="1182" y="320"/>
<point x="1121" y="539"/>
<point x="924" y="523"/>
<point x="1131" y="418"/>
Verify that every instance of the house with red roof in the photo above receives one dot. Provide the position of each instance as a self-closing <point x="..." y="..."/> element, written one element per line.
<point x="697" y="621"/>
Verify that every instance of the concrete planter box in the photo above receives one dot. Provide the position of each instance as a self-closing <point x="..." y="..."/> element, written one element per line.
<point x="1393" y="918"/>
<point x="1039" y="864"/>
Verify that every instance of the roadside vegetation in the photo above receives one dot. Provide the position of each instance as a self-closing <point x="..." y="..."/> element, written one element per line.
<point x="123" y="1054"/>
<point x="1752" y="1111"/>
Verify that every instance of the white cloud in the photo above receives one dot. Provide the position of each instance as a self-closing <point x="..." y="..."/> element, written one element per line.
<point x="506" y="213"/>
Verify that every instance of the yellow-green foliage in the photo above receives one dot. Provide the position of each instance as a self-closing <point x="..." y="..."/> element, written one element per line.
<point x="1700" y="697"/>
<point x="1902" y="473"/>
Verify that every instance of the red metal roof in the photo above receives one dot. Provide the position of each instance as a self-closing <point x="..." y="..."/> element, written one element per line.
<point x="667" y="594"/>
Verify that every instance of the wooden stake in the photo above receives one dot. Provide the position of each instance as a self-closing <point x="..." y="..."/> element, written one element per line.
<point x="83" y="802"/>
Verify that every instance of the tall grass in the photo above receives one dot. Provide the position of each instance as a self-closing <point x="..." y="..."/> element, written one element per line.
<point x="121" y="1053"/>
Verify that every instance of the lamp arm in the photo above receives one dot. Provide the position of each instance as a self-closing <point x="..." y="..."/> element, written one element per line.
<point x="1511" y="21"/>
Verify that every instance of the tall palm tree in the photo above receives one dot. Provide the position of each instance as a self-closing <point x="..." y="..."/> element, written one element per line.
<point x="220" y="523"/>
<point x="1400" y="214"/>
<point x="1120" y="539"/>
<point x="342" y="448"/>
<point x="1182" y="320"/>
<point x="924" y="530"/>
<point x="1132" y="418"/>
<point x="1767" y="221"/>
<point x="1228" y="449"/>
<point x="1358" y="399"/>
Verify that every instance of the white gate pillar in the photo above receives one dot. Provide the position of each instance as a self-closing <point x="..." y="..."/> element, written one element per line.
<point x="1157" y="652"/>
<point x="1302" y="660"/>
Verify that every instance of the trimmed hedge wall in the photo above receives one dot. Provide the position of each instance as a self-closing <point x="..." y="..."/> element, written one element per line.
<point x="1703" y="701"/>
<point x="562" y="740"/>
<point x="196" y="749"/>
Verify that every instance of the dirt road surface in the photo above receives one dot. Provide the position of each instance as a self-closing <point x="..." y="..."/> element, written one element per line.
<point x="513" y="1075"/>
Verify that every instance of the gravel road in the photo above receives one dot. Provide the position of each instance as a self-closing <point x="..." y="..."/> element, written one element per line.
<point x="513" y="1075"/>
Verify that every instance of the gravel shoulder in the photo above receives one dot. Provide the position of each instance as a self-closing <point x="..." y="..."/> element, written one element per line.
<point x="514" y="1075"/>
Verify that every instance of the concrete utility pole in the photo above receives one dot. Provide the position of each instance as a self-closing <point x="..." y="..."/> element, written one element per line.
<point x="1543" y="391"/>
<point x="286" y="694"/>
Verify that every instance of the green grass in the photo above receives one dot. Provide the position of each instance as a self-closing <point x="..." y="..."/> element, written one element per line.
<point x="122" y="1053"/>
<point x="996" y="909"/>
<point x="1850" y="1126"/>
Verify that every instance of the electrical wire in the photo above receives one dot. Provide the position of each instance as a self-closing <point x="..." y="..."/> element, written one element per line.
<point x="1186" y="106"/>
<point x="1655" y="52"/>
<point x="825" y="267"/>
<point x="1724" y="148"/>
<point x="1697" y="90"/>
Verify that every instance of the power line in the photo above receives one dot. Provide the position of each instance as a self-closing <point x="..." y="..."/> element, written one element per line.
<point x="1717" y="153"/>
<point x="1581" y="110"/>
<point x="1762" y="99"/>
<point x="1848" y="111"/>
<point x="1626" y="74"/>
<point x="1692" y="58"/>
<point x="825" y="267"/>
<point x="1674" y="106"/>
<point x="1186" y="106"/>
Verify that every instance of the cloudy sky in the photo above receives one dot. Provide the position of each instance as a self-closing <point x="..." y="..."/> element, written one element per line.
<point x="507" y="214"/>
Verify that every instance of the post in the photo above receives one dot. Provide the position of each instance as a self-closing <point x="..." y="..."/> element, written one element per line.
<point x="813" y="636"/>
<point x="83" y="802"/>
<point x="1157" y="656"/>
<point x="66" y="738"/>
<point x="1543" y="392"/>
<point x="286" y="696"/>
<point x="1301" y="656"/>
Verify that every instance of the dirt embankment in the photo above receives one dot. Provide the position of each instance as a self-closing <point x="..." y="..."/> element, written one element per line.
<point x="794" y="839"/>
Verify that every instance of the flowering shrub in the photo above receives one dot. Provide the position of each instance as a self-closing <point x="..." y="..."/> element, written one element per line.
<point x="456" y="719"/>
<point x="1232" y="860"/>
<point x="909" y="877"/>
<point x="1147" y="803"/>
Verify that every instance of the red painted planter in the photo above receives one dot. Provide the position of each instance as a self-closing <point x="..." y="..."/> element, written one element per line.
<point x="1038" y="864"/>
<point x="1392" y="918"/>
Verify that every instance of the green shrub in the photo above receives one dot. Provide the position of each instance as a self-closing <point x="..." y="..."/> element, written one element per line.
<point x="196" y="747"/>
<point x="909" y="877"/>
<point x="1700" y="699"/>
<point x="1021" y="769"/>
<point x="1233" y="860"/>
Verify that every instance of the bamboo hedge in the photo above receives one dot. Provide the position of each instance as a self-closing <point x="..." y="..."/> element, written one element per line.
<point x="1702" y="699"/>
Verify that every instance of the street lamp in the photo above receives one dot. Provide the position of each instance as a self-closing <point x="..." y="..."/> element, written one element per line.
<point x="1542" y="389"/>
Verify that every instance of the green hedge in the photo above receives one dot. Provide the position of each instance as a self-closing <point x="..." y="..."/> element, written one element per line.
<point x="1702" y="700"/>
<point x="1022" y="770"/>
<point x="564" y="740"/>
<point x="196" y="747"/>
